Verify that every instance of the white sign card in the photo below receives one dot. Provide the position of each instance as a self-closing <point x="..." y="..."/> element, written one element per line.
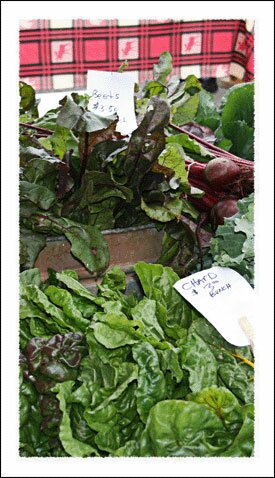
<point x="224" y="298"/>
<point x="112" y="93"/>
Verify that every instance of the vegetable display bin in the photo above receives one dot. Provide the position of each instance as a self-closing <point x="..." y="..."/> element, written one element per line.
<point x="126" y="247"/>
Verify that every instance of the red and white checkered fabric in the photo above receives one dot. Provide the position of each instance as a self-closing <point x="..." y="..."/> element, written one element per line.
<point x="56" y="54"/>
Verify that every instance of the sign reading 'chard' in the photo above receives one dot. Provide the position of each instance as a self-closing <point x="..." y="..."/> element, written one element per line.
<point x="224" y="298"/>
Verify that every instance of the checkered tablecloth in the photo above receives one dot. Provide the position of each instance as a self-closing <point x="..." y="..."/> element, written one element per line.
<point x="56" y="54"/>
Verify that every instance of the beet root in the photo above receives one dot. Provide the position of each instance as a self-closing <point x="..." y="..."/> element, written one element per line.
<point x="224" y="208"/>
<point x="221" y="172"/>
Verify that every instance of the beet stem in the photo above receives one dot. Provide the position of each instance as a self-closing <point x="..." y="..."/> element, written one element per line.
<point x="36" y="128"/>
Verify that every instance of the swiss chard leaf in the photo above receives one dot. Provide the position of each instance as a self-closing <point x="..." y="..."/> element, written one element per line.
<point x="151" y="381"/>
<point x="200" y="362"/>
<point x="71" y="445"/>
<point x="157" y="282"/>
<point x="174" y="428"/>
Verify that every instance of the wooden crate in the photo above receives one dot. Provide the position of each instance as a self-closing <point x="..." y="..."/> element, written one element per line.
<point x="126" y="247"/>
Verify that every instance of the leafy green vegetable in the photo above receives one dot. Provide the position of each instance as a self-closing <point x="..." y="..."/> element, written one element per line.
<point x="114" y="374"/>
<point x="71" y="445"/>
<point x="40" y="195"/>
<point x="82" y="176"/>
<point x="192" y="148"/>
<point x="237" y="117"/>
<point x="151" y="381"/>
<point x="174" y="428"/>
<point x="238" y="104"/>
<point x="198" y="359"/>
<point x="207" y="113"/>
<point x="172" y="312"/>
<point x="28" y="102"/>
<point x="186" y="110"/>
<point x="143" y="376"/>
<point x="163" y="68"/>
<point x="242" y="138"/>
<point x="192" y="85"/>
<point x="233" y="244"/>
<point x="145" y="312"/>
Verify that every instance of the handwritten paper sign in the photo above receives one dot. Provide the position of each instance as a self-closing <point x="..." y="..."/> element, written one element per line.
<point x="223" y="297"/>
<point x="113" y="93"/>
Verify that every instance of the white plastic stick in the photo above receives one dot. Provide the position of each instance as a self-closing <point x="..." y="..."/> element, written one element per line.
<point x="248" y="330"/>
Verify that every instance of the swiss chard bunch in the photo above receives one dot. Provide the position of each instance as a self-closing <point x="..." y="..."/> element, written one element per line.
<point x="121" y="375"/>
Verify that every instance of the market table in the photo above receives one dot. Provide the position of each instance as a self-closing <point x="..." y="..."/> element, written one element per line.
<point x="56" y="54"/>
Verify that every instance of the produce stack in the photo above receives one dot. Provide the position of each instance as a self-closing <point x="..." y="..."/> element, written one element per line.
<point x="115" y="374"/>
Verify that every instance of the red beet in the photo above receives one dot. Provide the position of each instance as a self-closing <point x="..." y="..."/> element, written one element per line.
<point x="220" y="172"/>
<point x="222" y="209"/>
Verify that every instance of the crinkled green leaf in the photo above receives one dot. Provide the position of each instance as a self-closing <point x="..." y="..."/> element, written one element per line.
<point x="29" y="310"/>
<point x="114" y="410"/>
<point x="114" y="279"/>
<point x="70" y="114"/>
<point x="62" y="298"/>
<point x="77" y="287"/>
<point x="224" y="404"/>
<point x="154" y="88"/>
<point x="34" y="294"/>
<point x="59" y="140"/>
<point x="243" y="444"/>
<point x="81" y="430"/>
<point x="178" y="428"/>
<point x="235" y="378"/>
<point x="173" y="313"/>
<point x="72" y="446"/>
<point x="30" y="276"/>
<point x="131" y="448"/>
<point x="238" y="119"/>
<point x="169" y="360"/>
<point x="145" y="312"/>
<point x="200" y="362"/>
<point x="151" y="381"/>
<point x="43" y="172"/>
<point x="116" y="330"/>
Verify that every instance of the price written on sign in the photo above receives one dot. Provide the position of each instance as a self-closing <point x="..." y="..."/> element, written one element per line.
<point x="222" y="296"/>
<point x="210" y="282"/>
<point x="112" y="93"/>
